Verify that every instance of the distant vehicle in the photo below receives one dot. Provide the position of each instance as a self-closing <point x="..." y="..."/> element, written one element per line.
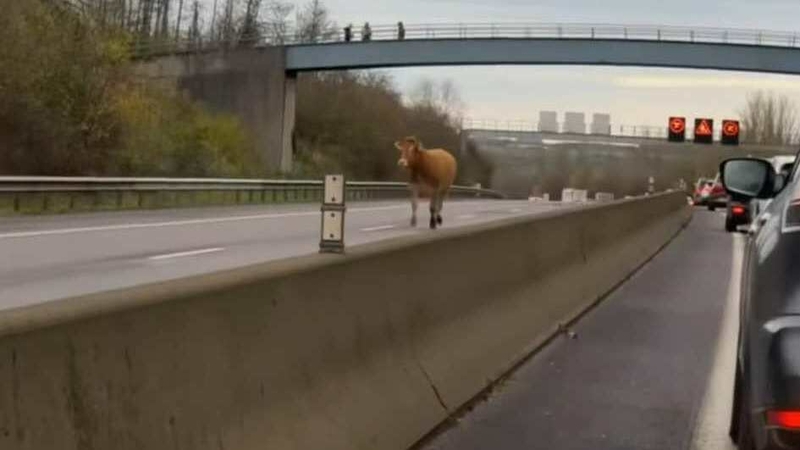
<point x="738" y="213"/>
<point x="766" y="397"/>
<point x="710" y="193"/>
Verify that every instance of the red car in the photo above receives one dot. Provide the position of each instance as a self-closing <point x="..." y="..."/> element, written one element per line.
<point x="710" y="193"/>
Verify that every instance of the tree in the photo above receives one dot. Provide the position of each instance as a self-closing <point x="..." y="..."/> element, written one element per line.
<point x="277" y="21"/>
<point x="442" y="99"/>
<point x="769" y="119"/>
<point x="314" y="23"/>
<point x="250" y="31"/>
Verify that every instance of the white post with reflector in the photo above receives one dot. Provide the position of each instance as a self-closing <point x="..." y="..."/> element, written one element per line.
<point x="333" y="209"/>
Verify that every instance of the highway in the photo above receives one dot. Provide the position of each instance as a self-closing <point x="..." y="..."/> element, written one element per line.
<point x="47" y="258"/>
<point x="651" y="367"/>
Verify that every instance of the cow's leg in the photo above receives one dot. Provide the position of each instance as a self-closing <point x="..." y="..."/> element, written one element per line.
<point x="414" y="202"/>
<point x="434" y="200"/>
<point x="439" y="206"/>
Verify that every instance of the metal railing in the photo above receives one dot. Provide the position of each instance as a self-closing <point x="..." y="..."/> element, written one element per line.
<point x="63" y="194"/>
<point x="486" y="30"/>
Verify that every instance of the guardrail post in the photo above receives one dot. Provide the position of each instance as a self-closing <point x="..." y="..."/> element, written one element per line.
<point x="759" y="38"/>
<point x="625" y="32"/>
<point x="794" y="39"/>
<point x="592" y="32"/>
<point x="560" y="31"/>
<point x="658" y="34"/>
<point x="691" y="35"/>
<point x="494" y="31"/>
<point x="725" y="36"/>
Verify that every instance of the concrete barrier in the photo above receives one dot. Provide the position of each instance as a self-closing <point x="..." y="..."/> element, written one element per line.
<point x="370" y="350"/>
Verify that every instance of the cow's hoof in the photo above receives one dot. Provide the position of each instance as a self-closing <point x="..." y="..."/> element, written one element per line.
<point x="439" y="220"/>
<point x="413" y="221"/>
<point x="433" y="223"/>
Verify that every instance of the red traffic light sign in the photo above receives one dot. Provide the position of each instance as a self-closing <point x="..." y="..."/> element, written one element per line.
<point x="677" y="129"/>
<point x="730" y="132"/>
<point x="704" y="131"/>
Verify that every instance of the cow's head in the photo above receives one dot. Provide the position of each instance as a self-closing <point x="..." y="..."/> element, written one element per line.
<point x="409" y="148"/>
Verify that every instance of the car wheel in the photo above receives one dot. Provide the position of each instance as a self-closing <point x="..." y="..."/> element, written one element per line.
<point x="730" y="227"/>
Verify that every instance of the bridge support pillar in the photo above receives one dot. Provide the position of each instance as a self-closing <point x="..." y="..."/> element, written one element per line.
<point x="250" y="84"/>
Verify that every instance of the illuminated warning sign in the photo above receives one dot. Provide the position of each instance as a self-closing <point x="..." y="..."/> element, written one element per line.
<point x="704" y="131"/>
<point x="677" y="129"/>
<point x="730" y="132"/>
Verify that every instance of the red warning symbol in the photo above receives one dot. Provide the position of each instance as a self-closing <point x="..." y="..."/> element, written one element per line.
<point x="731" y="128"/>
<point x="703" y="129"/>
<point x="677" y="125"/>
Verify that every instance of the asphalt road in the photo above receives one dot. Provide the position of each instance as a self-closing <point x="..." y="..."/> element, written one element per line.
<point x="47" y="258"/>
<point x="651" y="366"/>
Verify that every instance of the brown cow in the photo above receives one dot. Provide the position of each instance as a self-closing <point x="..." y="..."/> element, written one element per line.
<point x="431" y="171"/>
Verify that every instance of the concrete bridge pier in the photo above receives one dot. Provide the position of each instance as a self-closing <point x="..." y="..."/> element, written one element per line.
<point x="251" y="84"/>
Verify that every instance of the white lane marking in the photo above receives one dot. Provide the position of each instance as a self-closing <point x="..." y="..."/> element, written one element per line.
<point x="176" y="223"/>
<point x="380" y="228"/>
<point x="515" y="210"/>
<point x="467" y="216"/>
<point x="183" y="254"/>
<point x="711" y="429"/>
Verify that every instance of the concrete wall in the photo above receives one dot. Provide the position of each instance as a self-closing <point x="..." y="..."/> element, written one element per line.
<point x="370" y="350"/>
<point x="249" y="83"/>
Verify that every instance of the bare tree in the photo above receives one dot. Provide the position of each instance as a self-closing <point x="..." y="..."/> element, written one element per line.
<point x="250" y="31"/>
<point x="769" y="119"/>
<point x="277" y="21"/>
<point x="178" y="21"/>
<point x="314" y="23"/>
<point x="194" y="29"/>
<point x="443" y="98"/>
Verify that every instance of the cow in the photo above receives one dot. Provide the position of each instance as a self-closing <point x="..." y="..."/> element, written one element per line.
<point x="430" y="172"/>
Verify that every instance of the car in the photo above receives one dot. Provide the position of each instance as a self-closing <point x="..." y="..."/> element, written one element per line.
<point x="737" y="213"/>
<point x="783" y="165"/>
<point x="710" y="193"/>
<point x="766" y="395"/>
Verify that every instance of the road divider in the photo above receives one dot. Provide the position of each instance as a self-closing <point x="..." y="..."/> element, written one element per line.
<point x="368" y="350"/>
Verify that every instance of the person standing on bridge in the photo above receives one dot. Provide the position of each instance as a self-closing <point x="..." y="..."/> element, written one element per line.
<point x="401" y="31"/>
<point x="348" y="32"/>
<point x="366" y="32"/>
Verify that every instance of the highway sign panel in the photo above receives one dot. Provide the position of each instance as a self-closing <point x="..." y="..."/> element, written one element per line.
<point x="677" y="129"/>
<point x="730" y="132"/>
<point x="703" y="131"/>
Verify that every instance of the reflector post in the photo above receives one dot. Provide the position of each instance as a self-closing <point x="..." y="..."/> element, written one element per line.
<point x="333" y="210"/>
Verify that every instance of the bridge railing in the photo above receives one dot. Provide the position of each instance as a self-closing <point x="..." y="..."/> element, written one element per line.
<point x="65" y="194"/>
<point x="486" y="30"/>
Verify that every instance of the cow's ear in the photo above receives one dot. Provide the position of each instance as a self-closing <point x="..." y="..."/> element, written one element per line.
<point x="398" y="146"/>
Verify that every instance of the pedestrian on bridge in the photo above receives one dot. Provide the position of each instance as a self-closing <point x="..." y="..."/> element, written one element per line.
<point x="401" y="31"/>
<point x="348" y="33"/>
<point x="366" y="32"/>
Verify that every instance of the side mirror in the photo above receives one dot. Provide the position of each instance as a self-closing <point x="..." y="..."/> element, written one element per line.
<point x="748" y="177"/>
<point x="780" y="182"/>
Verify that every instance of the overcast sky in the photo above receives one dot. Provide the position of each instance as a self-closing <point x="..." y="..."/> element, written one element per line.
<point x="632" y="96"/>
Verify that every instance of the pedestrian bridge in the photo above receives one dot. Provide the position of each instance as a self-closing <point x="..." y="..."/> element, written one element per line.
<point x="556" y="44"/>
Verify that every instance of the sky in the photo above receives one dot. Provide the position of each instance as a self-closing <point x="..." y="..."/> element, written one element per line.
<point x="633" y="96"/>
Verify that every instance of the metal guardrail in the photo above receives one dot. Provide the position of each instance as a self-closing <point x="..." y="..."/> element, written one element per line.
<point x="589" y="31"/>
<point x="60" y="194"/>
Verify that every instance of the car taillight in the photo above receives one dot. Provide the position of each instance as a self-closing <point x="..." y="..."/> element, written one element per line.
<point x="738" y="210"/>
<point x="784" y="419"/>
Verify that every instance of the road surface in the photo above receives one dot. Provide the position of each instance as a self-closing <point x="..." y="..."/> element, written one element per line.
<point x="651" y="367"/>
<point x="47" y="258"/>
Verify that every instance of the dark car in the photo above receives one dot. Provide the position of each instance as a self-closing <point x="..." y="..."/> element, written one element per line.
<point x="737" y="213"/>
<point x="766" y="398"/>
